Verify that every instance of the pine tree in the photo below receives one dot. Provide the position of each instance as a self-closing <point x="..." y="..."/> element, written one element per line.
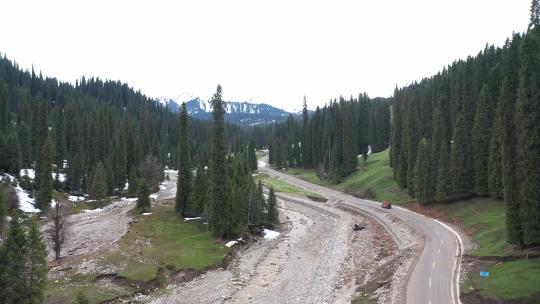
<point x="495" y="159"/>
<point x="260" y="203"/>
<point x="98" y="183"/>
<point x="42" y="126"/>
<point x="183" y="190"/>
<point x="25" y="144"/>
<point x="37" y="264"/>
<point x="535" y="15"/>
<point x="528" y="137"/>
<point x="505" y="114"/>
<point x="3" y="212"/>
<point x="120" y="159"/>
<point x="273" y="216"/>
<point x="424" y="173"/>
<point x="460" y="166"/>
<point x="4" y="107"/>
<point x="200" y="189"/>
<point x="12" y="153"/>
<point x="481" y="138"/>
<point x="46" y="180"/>
<point x="143" y="201"/>
<point x="349" y="149"/>
<point x="220" y="212"/>
<point x="443" y="174"/>
<point x="252" y="157"/>
<point x="132" y="182"/>
<point x="59" y="138"/>
<point x="15" y="249"/>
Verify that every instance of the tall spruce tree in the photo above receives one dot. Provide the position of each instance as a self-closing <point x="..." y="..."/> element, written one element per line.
<point x="199" y="192"/>
<point x="443" y="188"/>
<point x="481" y="135"/>
<point x="143" y="197"/>
<point x="220" y="212"/>
<point x="37" y="265"/>
<point x="42" y="126"/>
<point x="460" y="166"/>
<point x="183" y="190"/>
<point x="505" y="120"/>
<point x="528" y="137"/>
<point x="15" y="267"/>
<point x="98" y="183"/>
<point x="25" y="143"/>
<point x="424" y="187"/>
<point x="495" y="185"/>
<point x="272" y="212"/>
<point x="46" y="180"/>
<point x="252" y="157"/>
<point x="3" y="212"/>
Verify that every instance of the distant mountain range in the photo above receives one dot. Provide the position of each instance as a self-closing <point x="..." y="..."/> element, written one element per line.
<point x="241" y="113"/>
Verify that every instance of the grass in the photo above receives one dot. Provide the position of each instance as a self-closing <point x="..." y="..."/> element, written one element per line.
<point x="484" y="219"/>
<point x="518" y="281"/>
<point x="282" y="186"/>
<point x="164" y="240"/>
<point x="375" y="174"/>
<point x="156" y="246"/>
<point x="361" y="299"/>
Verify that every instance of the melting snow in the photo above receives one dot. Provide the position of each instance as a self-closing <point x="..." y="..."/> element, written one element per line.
<point x="26" y="203"/>
<point x="73" y="198"/>
<point x="270" y="234"/>
<point x="191" y="218"/>
<point x="153" y="196"/>
<point x="93" y="210"/>
<point x="231" y="243"/>
<point x="147" y="213"/>
<point x="161" y="187"/>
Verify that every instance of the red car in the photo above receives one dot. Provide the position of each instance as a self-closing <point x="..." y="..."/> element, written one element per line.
<point x="386" y="205"/>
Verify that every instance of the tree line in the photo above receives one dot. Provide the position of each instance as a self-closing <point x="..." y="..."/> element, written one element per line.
<point x="473" y="130"/>
<point x="94" y="130"/>
<point x="330" y="139"/>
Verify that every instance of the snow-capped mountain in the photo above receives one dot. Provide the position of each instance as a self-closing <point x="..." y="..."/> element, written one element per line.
<point x="241" y="113"/>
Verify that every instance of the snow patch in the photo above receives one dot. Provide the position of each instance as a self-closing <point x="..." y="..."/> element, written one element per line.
<point x="153" y="196"/>
<point x="93" y="210"/>
<point x="73" y="198"/>
<point x="26" y="203"/>
<point x="231" y="243"/>
<point x="54" y="203"/>
<point x="161" y="187"/>
<point x="191" y="218"/>
<point x="31" y="173"/>
<point x="270" y="234"/>
<point x="129" y="199"/>
<point x="147" y="213"/>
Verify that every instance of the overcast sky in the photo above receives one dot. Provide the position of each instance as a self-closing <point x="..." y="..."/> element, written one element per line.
<point x="266" y="51"/>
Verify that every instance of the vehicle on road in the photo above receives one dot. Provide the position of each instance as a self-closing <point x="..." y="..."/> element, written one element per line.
<point x="386" y="205"/>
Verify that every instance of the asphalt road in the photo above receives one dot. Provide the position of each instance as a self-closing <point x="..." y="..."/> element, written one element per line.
<point x="436" y="272"/>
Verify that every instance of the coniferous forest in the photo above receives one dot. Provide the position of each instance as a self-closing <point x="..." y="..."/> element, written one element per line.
<point x="473" y="130"/>
<point x="330" y="139"/>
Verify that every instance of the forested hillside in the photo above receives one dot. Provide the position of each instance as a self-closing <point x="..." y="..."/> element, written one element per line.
<point x="331" y="139"/>
<point x="90" y="122"/>
<point x="473" y="130"/>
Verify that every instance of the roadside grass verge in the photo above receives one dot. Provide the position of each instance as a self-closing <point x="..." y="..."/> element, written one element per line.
<point x="373" y="179"/>
<point x="156" y="247"/>
<point x="516" y="281"/>
<point x="484" y="220"/>
<point x="282" y="186"/>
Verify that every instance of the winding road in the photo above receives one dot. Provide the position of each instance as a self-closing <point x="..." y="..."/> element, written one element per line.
<point x="434" y="276"/>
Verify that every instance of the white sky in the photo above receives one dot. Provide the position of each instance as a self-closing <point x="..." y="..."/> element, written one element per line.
<point x="266" y="51"/>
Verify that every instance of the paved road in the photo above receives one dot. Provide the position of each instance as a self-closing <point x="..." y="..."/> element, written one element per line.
<point x="436" y="272"/>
